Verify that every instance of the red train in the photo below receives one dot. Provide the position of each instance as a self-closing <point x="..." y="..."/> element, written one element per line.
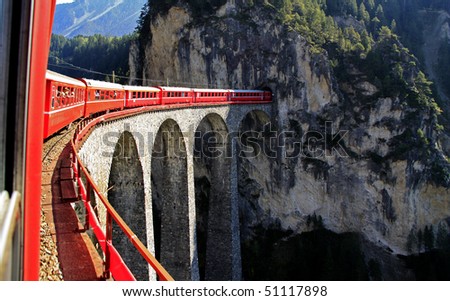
<point x="68" y="99"/>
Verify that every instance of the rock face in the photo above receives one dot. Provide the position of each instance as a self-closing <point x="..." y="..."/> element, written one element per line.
<point x="341" y="155"/>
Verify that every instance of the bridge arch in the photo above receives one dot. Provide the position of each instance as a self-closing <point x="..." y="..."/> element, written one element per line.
<point x="212" y="170"/>
<point x="170" y="204"/>
<point x="126" y="194"/>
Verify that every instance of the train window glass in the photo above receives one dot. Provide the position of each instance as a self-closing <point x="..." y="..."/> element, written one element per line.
<point x="53" y="94"/>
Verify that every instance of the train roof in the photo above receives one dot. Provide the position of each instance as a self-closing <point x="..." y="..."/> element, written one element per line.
<point x="54" y="76"/>
<point x="210" y="90"/>
<point x="101" y="84"/>
<point x="175" y="89"/>
<point x="248" y="91"/>
<point x="141" y="88"/>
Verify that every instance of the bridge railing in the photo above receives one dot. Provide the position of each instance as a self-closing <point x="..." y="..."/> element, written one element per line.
<point x="114" y="264"/>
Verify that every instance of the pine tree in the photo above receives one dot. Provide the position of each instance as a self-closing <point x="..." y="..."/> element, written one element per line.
<point x="442" y="237"/>
<point x="370" y="4"/>
<point x="419" y="240"/>
<point x="428" y="238"/>
<point x="364" y="14"/>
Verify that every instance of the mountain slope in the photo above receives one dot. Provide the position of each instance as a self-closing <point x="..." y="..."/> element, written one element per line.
<point x="88" y="17"/>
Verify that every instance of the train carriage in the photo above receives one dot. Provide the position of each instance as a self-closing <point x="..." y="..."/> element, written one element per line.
<point x="64" y="102"/>
<point x="138" y="96"/>
<point x="211" y="95"/>
<point x="249" y="95"/>
<point x="172" y="95"/>
<point x="103" y="97"/>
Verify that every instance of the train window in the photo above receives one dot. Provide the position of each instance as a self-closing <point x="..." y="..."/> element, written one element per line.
<point x="53" y="94"/>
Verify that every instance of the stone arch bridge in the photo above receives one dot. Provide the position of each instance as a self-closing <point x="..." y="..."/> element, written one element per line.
<point x="173" y="177"/>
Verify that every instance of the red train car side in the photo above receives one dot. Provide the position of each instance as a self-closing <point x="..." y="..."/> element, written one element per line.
<point x="171" y="95"/>
<point x="103" y="97"/>
<point x="211" y="95"/>
<point x="64" y="102"/>
<point x="247" y="95"/>
<point x="137" y="96"/>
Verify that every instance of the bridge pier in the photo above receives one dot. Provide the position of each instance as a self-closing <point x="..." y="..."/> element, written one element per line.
<point x="170" y="202"/>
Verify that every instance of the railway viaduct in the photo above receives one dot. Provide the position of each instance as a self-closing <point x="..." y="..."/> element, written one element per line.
<point x="173" y="177"/>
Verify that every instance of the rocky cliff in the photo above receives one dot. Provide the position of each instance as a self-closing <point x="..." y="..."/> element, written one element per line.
<point x="363" y="162"/>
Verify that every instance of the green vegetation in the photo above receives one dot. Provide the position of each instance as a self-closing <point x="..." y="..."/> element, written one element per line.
<point x="103" y="55"/>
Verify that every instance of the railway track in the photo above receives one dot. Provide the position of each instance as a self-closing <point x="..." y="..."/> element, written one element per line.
<point x="62" y="234"/>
